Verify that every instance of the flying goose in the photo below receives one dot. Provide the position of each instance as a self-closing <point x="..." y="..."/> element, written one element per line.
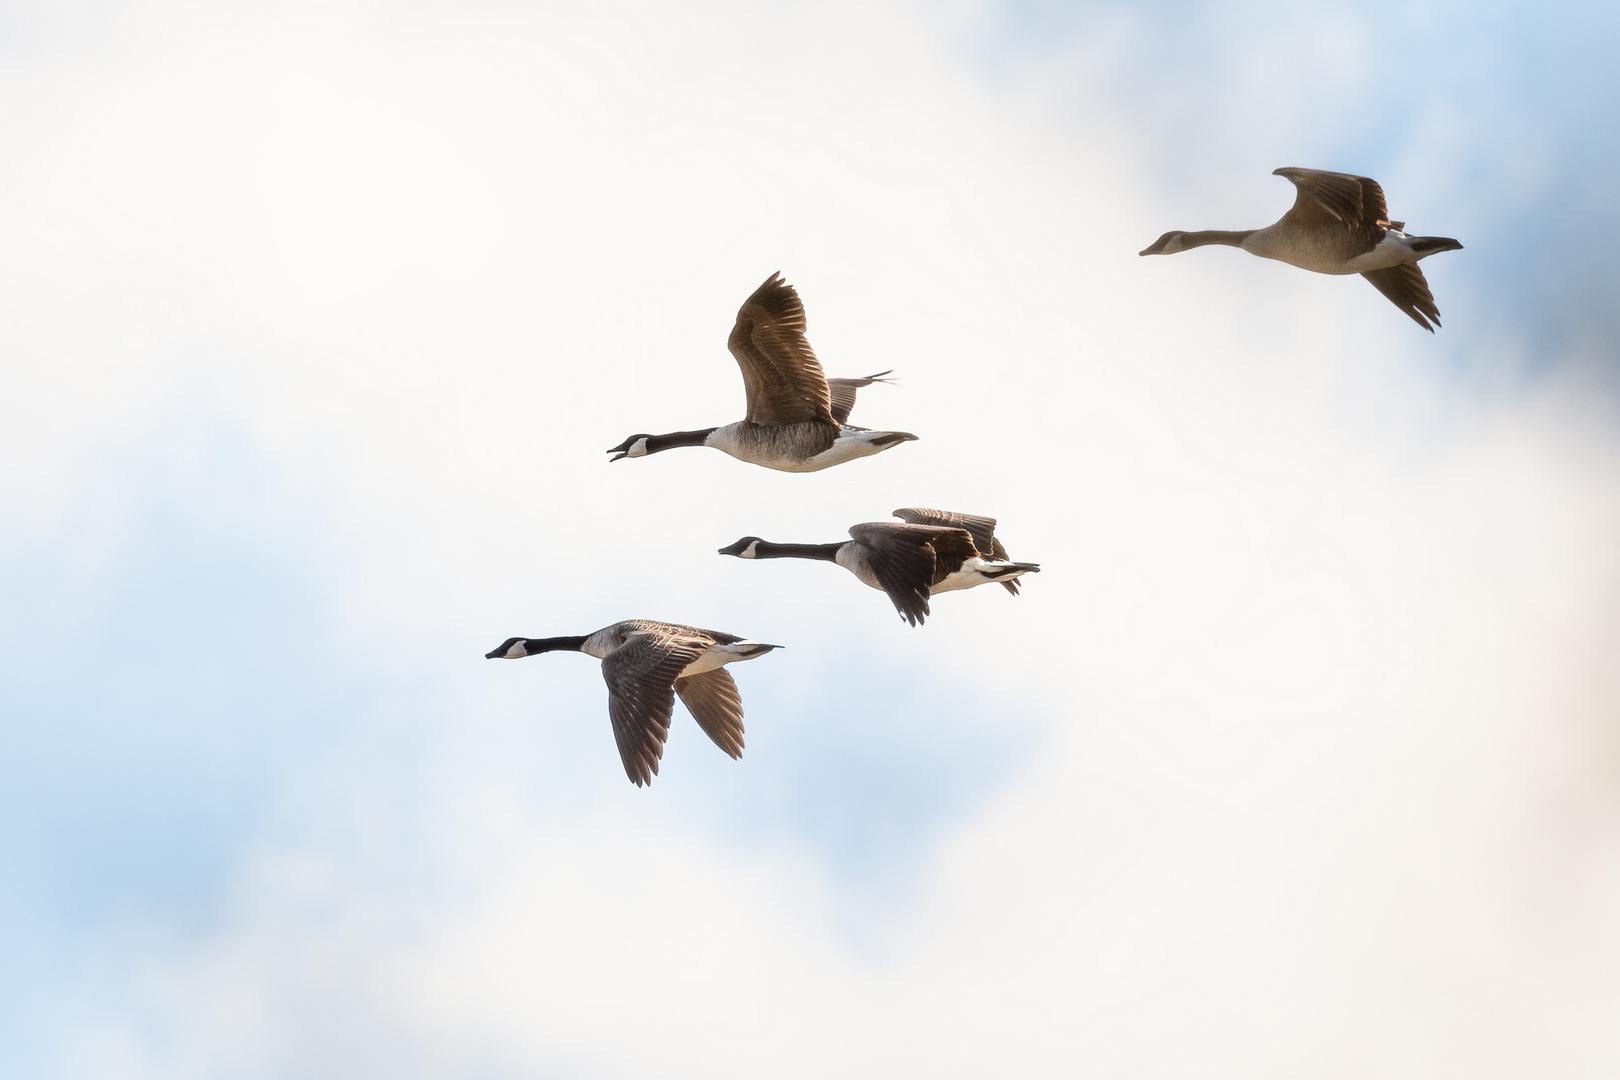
<point x="1338" y="225"/>
<point x="933" y="552"/>
<point x="646" y="664"/>
<point x="797" y="417"/>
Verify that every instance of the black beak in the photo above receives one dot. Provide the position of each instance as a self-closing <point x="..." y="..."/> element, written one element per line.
<point x="622" y="450"/>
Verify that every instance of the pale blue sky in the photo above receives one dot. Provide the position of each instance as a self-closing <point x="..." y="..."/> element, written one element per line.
<point x="325" y="314"/>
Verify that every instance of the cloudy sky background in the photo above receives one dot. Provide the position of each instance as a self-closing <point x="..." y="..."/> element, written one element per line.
<point x="1301" y="756"/>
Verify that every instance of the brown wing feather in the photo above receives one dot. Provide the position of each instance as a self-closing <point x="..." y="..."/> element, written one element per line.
<point x="952" y="548"/>
<point x="1325" y="197"/>
<point x="715" y="704"/>
<point x="909" y="560"/>
<point x="842" y="393"/>
<point x="640" y="676"/>
<point x="982" y="529"/>
<point x="782" y="377"/>
<point x="903" y="562"/>
<point x="1406" y="287"/>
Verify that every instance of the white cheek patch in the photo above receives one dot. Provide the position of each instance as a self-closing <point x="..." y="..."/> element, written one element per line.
<point x="637" y="449"/>
<point x="517" y="651"/>
<point x="748" y="552"/>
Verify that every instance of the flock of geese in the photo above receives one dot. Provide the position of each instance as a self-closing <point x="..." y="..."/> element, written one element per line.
<point x="798" y="421"/>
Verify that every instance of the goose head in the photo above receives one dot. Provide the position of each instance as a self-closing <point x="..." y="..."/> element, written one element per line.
<point x="743" y="549"/>
<point x="1168" y="244"/>
<point x="512" y="648"/>
<point x="634" y="446"/>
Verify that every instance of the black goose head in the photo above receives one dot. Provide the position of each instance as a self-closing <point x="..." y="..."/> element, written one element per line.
<point x="634" y="446"/>
<point x="743" y="549"/>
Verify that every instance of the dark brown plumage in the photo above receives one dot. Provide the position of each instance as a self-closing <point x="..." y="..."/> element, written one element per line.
<point x="908" y="560"/>
<point x="782" y="377"/>
<point x="1407" y="289"/>
<point x="714" y="703"/>
<point x="640" y="676"/>
<point x="982" y="529"/>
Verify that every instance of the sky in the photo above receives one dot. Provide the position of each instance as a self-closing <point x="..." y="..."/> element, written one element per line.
<point x="1300" y="756"/>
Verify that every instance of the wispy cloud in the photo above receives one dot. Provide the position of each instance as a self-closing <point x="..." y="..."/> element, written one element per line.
<point x="1298" y="755"/>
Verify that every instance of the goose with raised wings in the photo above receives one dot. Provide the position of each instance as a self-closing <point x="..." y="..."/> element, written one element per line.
<point x="797" y="417"/>
<point x="935" y="551"/>
<point x="1337" y="225"/>
<point x="647" y="663"/>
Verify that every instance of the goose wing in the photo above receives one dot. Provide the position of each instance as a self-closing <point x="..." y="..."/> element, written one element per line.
<point x="713" y="700"/>
<point x="908" y="560"/>
<point x="783" y="378"/>
<point x="842" y="393"/>
<point x="1329" y="197"/>
<point x="1405" y="285"/>
<point x="982" y="529"/>
<point x="640" y="678"/>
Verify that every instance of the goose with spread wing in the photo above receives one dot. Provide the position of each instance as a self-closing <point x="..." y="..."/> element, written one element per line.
<point x="647" y="663"/>
<point x="935" y="551"/>
<point x="797" y="417"/>
<point x="1337" y="225"/>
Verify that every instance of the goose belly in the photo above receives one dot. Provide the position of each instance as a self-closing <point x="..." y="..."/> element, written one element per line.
<point x="854" y="443"/>
<point x="799" y="447"/>
<point x="1332" y="252"/>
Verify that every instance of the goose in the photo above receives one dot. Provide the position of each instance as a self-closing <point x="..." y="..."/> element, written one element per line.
<point x="935" y="551"/>
<point x="1337" y="225"/>
<point x="646" y="663"/>
<point x="797" y="417"/>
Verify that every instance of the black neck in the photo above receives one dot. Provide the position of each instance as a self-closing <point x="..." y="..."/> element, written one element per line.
<point x="1216" y="236"/>
<point x="656" y="443"/>
<point x="767" y="550"/>
<point x="553" y="644"/>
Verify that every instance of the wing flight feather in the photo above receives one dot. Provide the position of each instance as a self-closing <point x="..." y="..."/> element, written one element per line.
<point x="781" y="375"/>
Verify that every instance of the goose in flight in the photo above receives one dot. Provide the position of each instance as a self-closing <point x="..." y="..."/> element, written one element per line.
<point x="1337" y="225"/>
<point x="797" y="417"/>
<point x="646" y="664"/>
<point x="933" y="552"/>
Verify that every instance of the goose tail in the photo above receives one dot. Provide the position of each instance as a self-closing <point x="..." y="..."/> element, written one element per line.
<point x="1007" y="573"/>
<point x="1428" y="245"/>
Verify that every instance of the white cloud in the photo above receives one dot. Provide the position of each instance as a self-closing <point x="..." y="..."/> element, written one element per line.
<point x="1315" y="684"/>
